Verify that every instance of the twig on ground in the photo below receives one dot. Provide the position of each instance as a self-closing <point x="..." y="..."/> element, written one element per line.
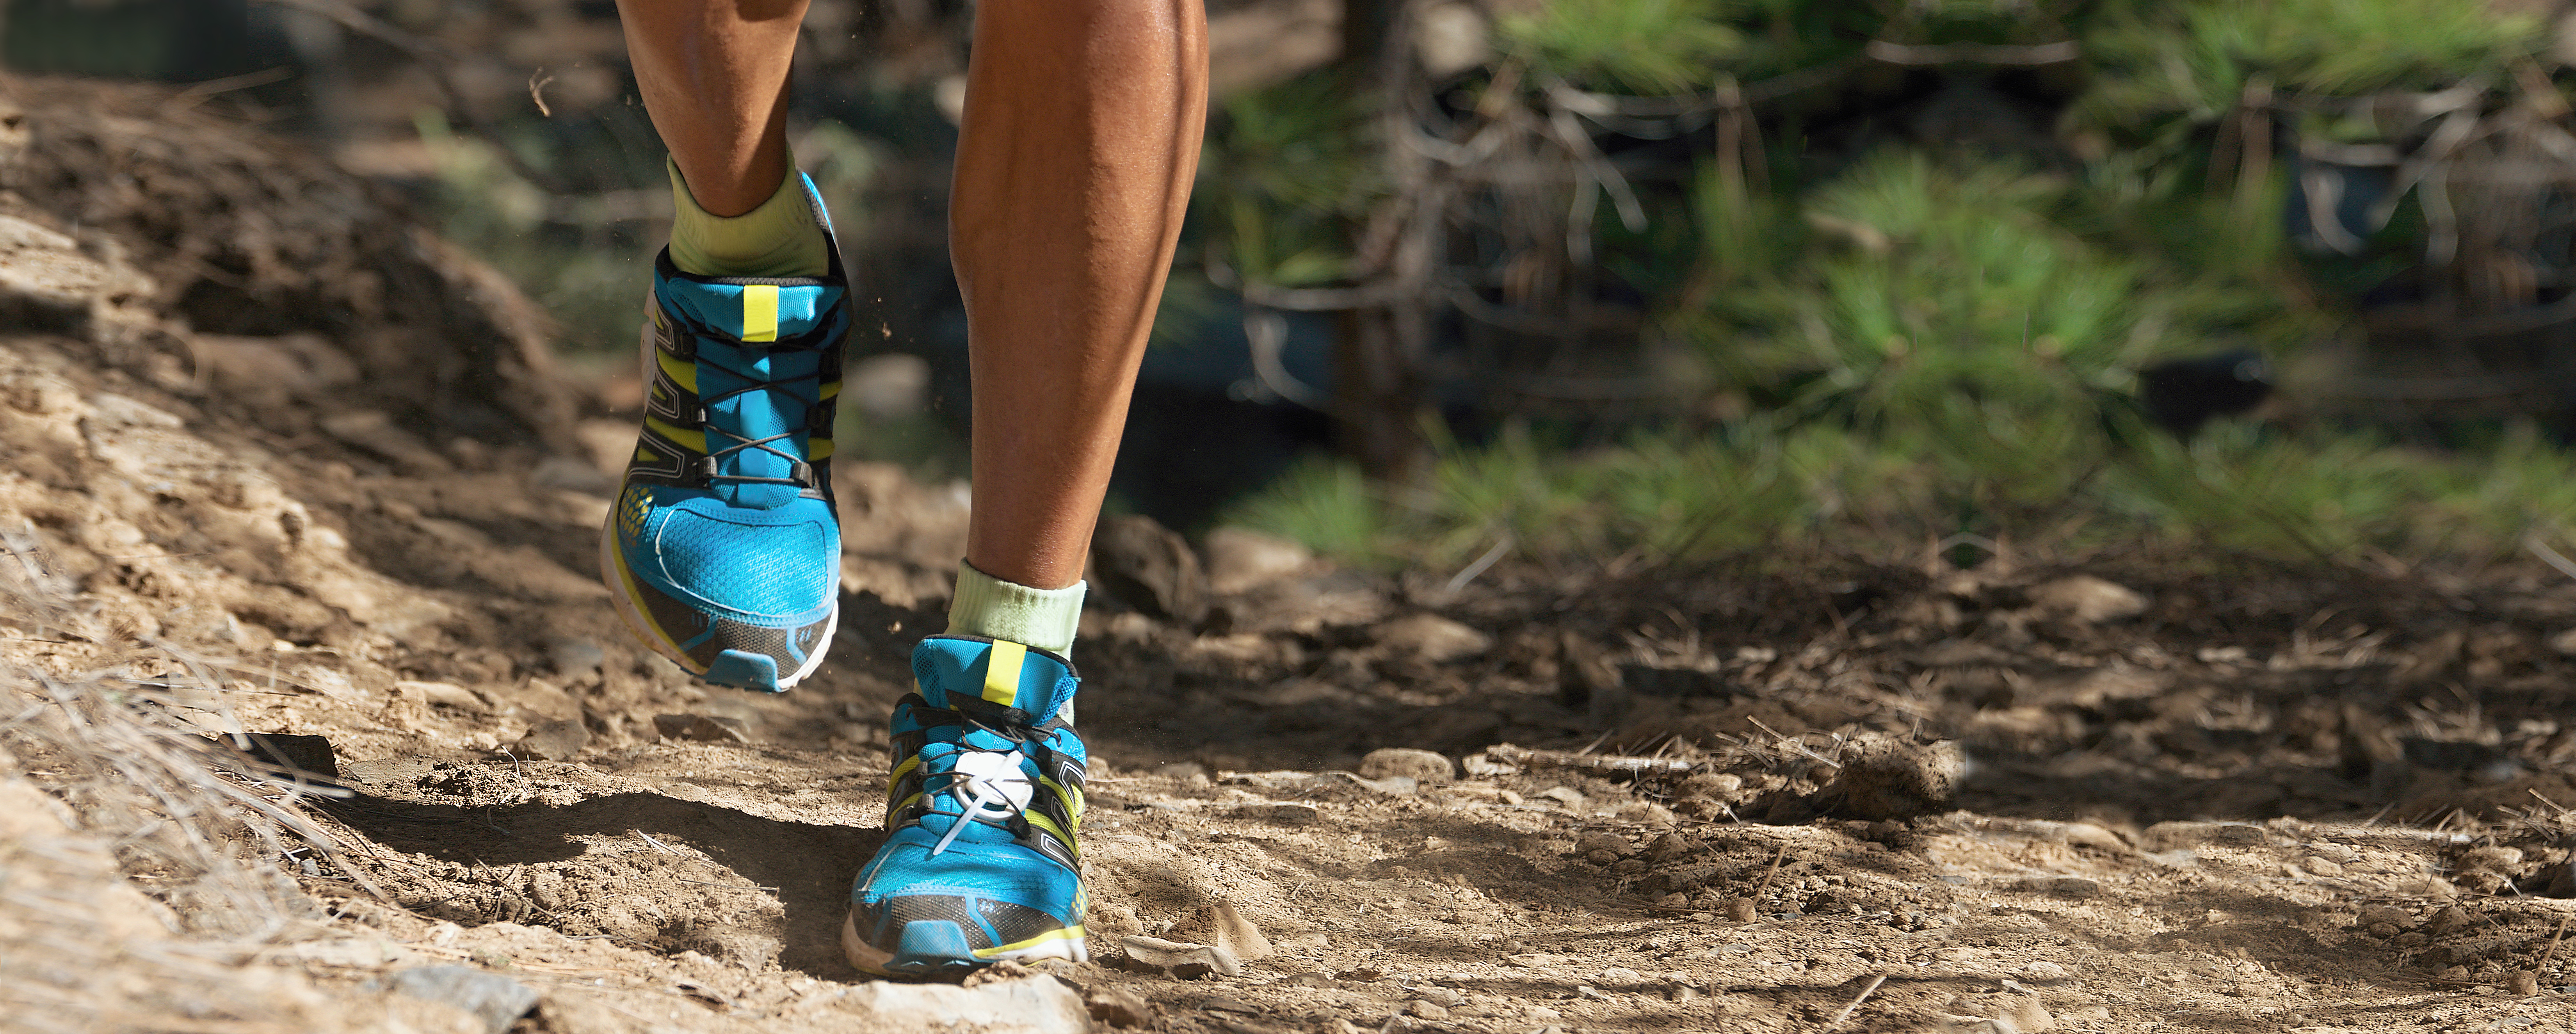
<point x="1767" y="874"/>
<point x="1855" y="1002"/>
<point x="1510" y="754"/>
<point x="2552" y="953"/>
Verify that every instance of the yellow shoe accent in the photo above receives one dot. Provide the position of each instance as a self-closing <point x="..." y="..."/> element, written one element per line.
<point x="759" y="313"/>
<point x="1002" y="675"/>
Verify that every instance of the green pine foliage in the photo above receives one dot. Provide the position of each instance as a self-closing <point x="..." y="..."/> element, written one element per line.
<point x="1936" y="343"/>
<point x="2155" y="59"/>
<point x="1633" y="46"/>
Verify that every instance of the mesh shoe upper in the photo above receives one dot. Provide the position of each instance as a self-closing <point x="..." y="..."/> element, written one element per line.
<point x="983" y="809"/>
<point x="724" y="546"/>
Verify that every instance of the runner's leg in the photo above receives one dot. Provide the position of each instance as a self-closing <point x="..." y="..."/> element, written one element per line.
<point x="714" y="78"/>
<point x="1081" y="136"/>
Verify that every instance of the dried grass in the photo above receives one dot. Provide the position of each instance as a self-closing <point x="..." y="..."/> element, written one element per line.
<point x="107" y="786"/>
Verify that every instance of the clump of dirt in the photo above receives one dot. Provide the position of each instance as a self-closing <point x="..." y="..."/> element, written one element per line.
<point x="2136" y="791"/>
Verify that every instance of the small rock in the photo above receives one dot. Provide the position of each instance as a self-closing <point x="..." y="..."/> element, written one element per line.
<point x="1666" y="848"/>
<point x="1618" y="846"/>
<point x="1149" y="567"/>
<point x="1740" y="910"/>
<point x="2322" y="867"/>
<point x="2455" y="975"/>
<point x="1601" y="857"/>
<point x="2389" y="914"/>
<point x="440" y="694"/>
<point x="1433" y="638"/>
<point x="2042" y="972"/>
<point x="292" y="752"/>
<point x="2167" y="836"/>
<point x="2062" y="886"/>
<point x="2383" y="931"/>
<point x="1426" y="1010"/>
<point x="1675" y="899"/>
<point x="705" y="728"/>
<point x="1565" y="795"/>
<point x="1039" y="1005"/>
<point x="1240" y="560"/>
<point x="554" y="741"/>
<point x="1422" y="766"/>
<point x="1183" y="959"/>
<point x="1620" y="976"/>
<point x="495" y="999"/>
<point x="2027" y="1016"/>
<point x="2087" y="600"/>
<point x="1892" y="777"/>
<point x="1223" y="926"/>
<point x="2451" y="917"/>
<point x="2522" y="983"/>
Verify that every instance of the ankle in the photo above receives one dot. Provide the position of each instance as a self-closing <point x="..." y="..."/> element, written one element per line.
<point x="781" y="237"/>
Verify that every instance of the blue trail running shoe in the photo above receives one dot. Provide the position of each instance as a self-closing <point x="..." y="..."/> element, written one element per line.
<point x="982" y="811"/>
<point x="724" y="552"/>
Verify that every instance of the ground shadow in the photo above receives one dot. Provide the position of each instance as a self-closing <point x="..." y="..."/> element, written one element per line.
<point x="809" y="865"/>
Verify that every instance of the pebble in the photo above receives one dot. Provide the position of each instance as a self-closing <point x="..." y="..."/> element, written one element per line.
<point x="1433" y="638"/>
<point x="495" y="999"/>
<point x="1197" y="959"/>
<point x="554" y="741"/>
<point x="1740" y="910"/>
<point x="442" y="694"/>
<point x="1117" y="1006"/>
<point x="1426" y="1010"/>
<point x="2522" y="984"/>
<point x="2042" y="971"/>
<point x="1421" y="766"/>
<point x="2027" y="1016"/>
<point x="1616" y="845"/>
<point x="2389" y="914"/>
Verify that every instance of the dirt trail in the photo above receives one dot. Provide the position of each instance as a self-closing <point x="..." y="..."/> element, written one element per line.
<point x="2147" y="795"/>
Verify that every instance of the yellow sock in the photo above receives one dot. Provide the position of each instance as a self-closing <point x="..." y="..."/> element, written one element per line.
<point x="779" y="238"/>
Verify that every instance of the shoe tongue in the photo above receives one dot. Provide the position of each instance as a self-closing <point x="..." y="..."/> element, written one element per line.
<point x="954" y="670"/>
<point x="745" y="319"/>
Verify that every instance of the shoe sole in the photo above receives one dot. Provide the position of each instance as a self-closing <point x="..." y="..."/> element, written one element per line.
<point x="877" y="962"/>
<point x="612" y="569"/>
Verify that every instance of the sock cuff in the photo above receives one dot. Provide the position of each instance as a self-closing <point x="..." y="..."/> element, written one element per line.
<point x="781" y="237"/>
<point x="1040" y="618"/>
